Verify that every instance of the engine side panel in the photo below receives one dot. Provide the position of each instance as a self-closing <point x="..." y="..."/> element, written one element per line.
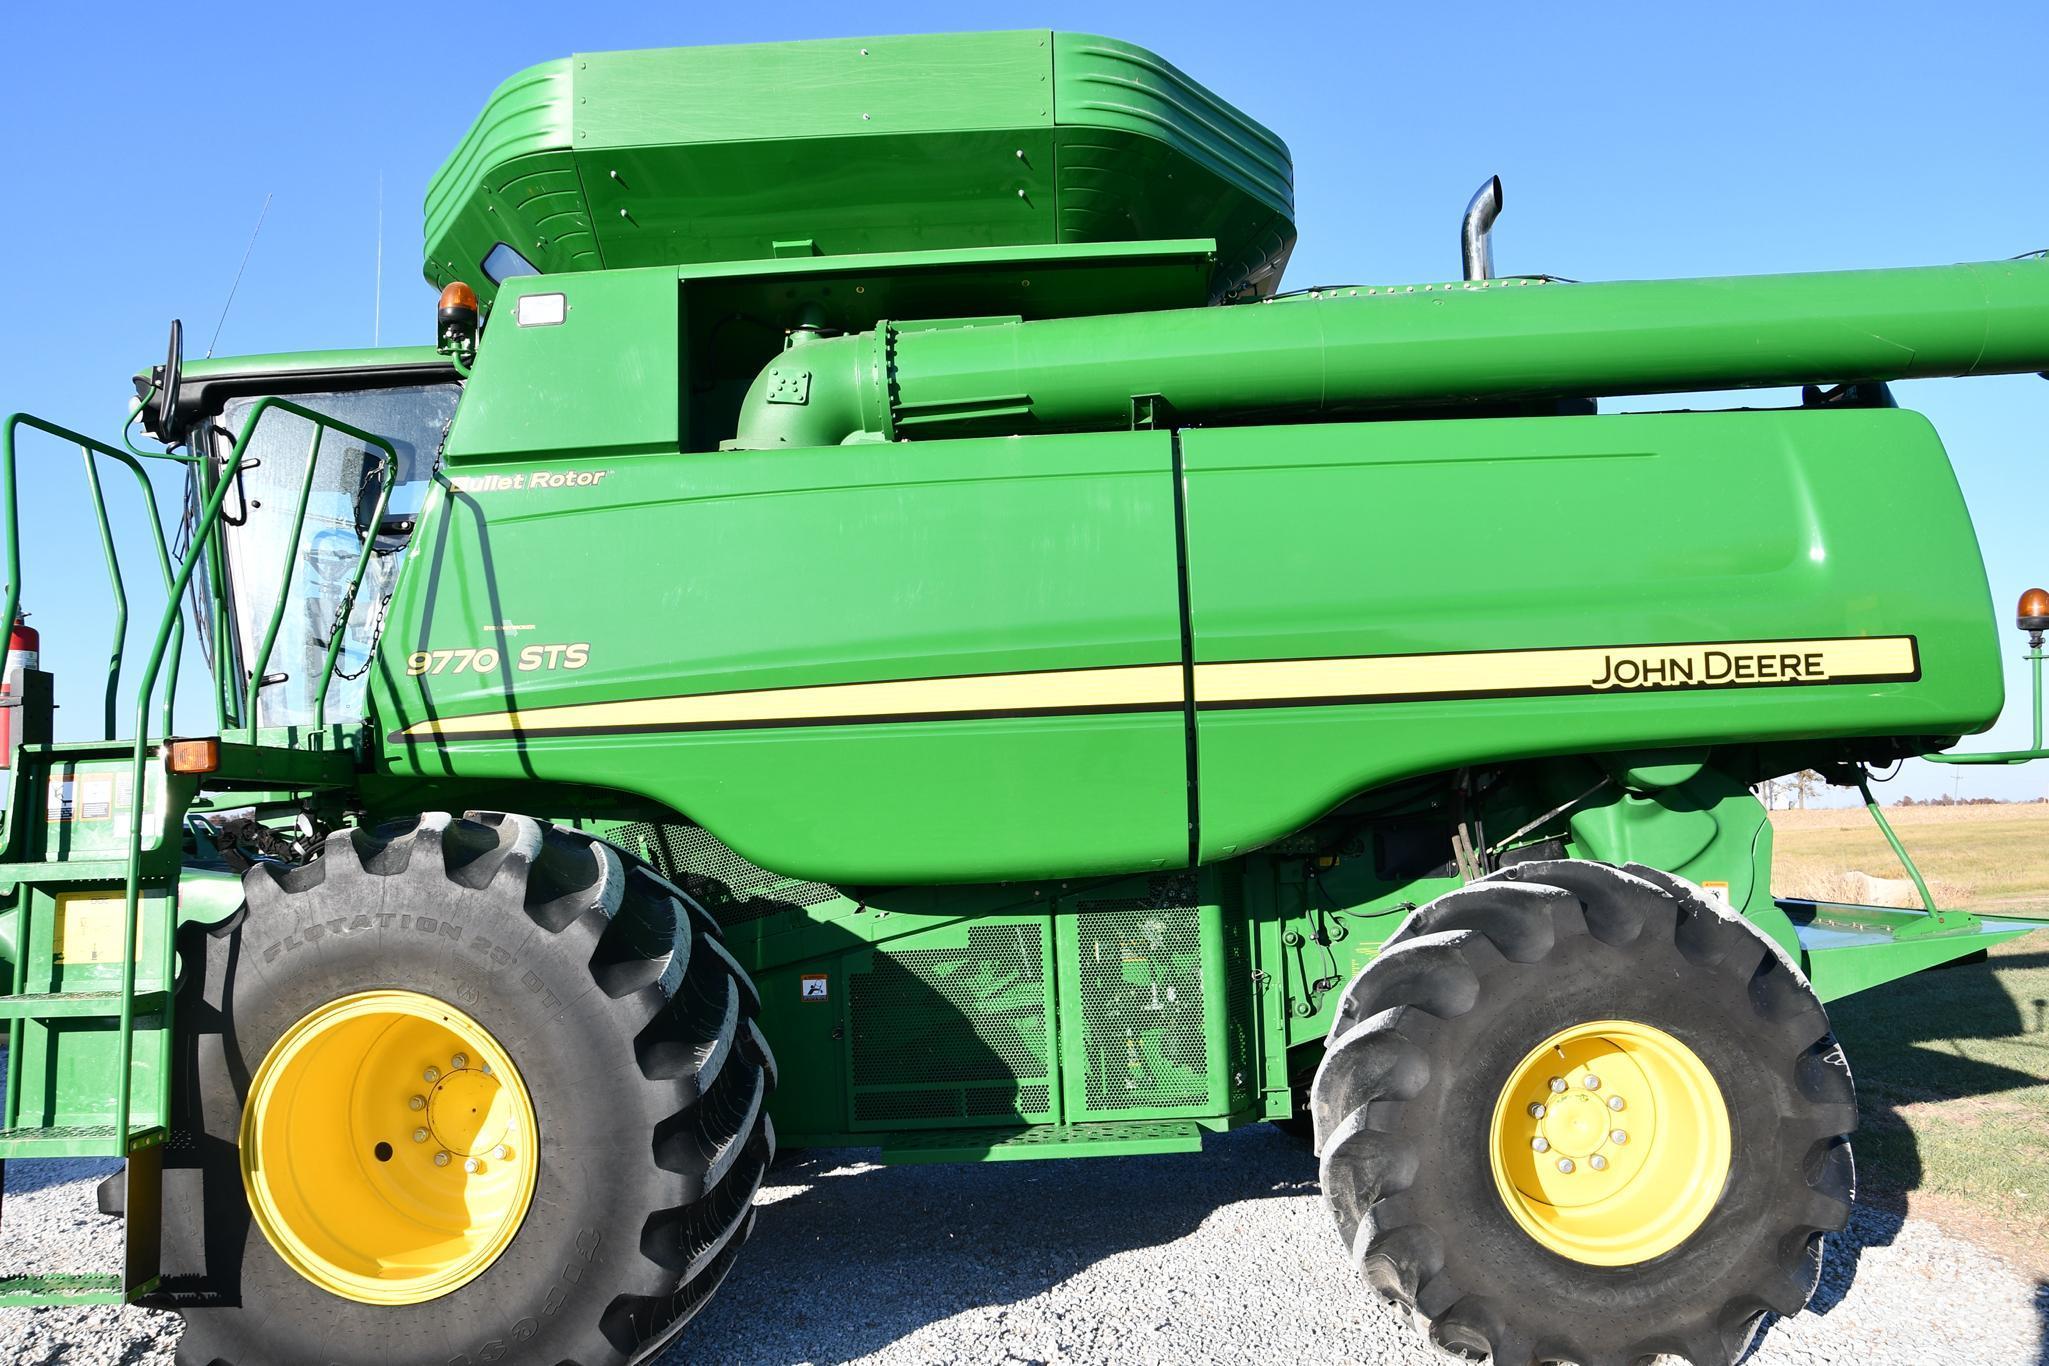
<point x="1375" y="600"/>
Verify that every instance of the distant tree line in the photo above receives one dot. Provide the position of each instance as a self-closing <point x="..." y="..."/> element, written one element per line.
<point x="1946" y="800"/>
<point x="1792" y="791"/>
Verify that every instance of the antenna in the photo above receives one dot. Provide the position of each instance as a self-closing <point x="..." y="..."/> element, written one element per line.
<point x="263" y="213"/>
<point x="377" y="289"/>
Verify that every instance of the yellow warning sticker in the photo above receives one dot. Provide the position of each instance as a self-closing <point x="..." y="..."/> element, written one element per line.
<point x="89" y="927"/>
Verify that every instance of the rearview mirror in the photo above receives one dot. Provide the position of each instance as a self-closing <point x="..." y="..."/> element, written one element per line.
<point x="160" y="414"/>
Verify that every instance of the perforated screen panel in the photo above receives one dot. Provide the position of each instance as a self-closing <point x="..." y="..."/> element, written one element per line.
<point x="1139" y="971"/>
<point x="954" y="1030"/>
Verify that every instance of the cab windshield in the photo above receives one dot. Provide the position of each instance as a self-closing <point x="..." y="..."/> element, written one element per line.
<point x="257" y="517"/>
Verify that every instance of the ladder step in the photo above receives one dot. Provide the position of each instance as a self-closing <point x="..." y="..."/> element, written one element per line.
<point x="36" y="1292"/>
<point x="55" y="1005"/>
<point x="78" y="1140"/>
<point x="79" y="870"/>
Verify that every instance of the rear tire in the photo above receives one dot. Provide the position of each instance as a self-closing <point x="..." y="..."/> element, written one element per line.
<point x="631" y="1027"/>
<point x="1419" y="1100"/>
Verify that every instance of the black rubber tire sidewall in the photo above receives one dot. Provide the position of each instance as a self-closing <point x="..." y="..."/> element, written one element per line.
<point x="540" y="1300"/>
<point x="1648" y="982"/>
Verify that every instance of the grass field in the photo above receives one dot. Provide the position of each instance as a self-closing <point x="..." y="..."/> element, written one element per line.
<point x="1952" y="1066"/>
<point x="1981" y="858"/>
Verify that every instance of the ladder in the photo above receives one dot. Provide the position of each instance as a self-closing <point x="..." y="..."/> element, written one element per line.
<point x="88" y="1009"/>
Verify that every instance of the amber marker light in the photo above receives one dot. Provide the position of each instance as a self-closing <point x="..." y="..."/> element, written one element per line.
<point x="196" y="756"/>
<point x="2034" y="610"/>
<point x="2033" y="616"/>
<point x="455" y="321"/>
<point x="458" y="295"/>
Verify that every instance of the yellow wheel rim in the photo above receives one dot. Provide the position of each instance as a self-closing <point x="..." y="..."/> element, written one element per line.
<point x="388" y="1148"/>
<point x="1610" y="1143"/>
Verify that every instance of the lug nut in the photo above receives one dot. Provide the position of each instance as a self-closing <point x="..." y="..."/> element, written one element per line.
<point x="1615" y="1102"/>
<point x="441" y="1159"/>
<point x="432" y="1074"/>
<point x="1557" y="1085"/>
<point x="501" y="1152"/>
<point x="461" y="1060"/>
<point x="1565" y="1165"/>
<point x="471" y="1165"/>
<point x="1618" y="1136"/>
<point x="1536" y="1109"/>
<point x="419" y="1135"/>
<point x="1598" y="1162"/>
<point x="1540" y="1144"/>
<point x="418" y="1102"/>
<point x="487" y="1069"/>
<point x="1591" y="1082"/>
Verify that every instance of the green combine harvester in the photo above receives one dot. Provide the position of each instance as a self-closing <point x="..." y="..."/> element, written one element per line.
<point x="880" y="624"/>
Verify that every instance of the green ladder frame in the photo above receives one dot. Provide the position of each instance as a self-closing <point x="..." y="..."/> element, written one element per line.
<point x="36" y="1007"/>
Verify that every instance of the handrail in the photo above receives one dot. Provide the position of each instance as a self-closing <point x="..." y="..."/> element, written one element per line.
<point x="348" y="603"/>
<point x="1899" y="850"/>
<point x="204" y="529"/>
<point x="2008" y="756"/>
<point x="9" y="505"/>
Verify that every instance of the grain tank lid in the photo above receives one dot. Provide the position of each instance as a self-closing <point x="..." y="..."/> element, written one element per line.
<point x="687" y="155"/>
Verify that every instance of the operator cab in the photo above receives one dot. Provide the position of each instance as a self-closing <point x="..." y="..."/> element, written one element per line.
<point x="408" y="396"/>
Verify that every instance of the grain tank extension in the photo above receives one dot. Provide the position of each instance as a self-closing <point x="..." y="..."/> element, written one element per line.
<point x="880" y="623"/>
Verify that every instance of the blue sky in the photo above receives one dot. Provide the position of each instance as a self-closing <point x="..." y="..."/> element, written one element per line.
<point x="1635" y="141"/>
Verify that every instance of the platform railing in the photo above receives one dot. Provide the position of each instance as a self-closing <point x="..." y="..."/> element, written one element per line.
<point x="10" y="515"/>
<point x="167" y="644"/>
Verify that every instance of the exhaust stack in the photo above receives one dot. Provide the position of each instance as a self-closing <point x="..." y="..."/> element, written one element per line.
<point x="1475" y="245"/>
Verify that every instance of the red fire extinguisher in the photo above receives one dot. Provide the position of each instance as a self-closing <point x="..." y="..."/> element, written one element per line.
<point x="24" y="651"/>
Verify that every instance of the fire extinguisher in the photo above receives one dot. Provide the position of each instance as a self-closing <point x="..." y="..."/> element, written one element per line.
<point x="24" y="652"/>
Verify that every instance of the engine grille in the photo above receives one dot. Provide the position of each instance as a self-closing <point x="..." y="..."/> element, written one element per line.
<point x="1141" y="986"/>
<point x="954" y="1030"/>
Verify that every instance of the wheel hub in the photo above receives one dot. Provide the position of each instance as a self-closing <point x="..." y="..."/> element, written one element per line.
<point x="387" y="1148"/>
<point x="1610" y="1142"/>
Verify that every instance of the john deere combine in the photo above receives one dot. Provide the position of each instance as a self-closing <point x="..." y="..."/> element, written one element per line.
<point x="876" y="575"/>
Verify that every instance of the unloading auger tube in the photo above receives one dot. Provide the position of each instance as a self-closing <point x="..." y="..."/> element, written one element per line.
<point x="1404" y="346"/>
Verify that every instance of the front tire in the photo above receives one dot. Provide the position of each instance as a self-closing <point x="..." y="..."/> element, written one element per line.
<point x="1499" y="1208"/>
<point x="621" y="1025"/>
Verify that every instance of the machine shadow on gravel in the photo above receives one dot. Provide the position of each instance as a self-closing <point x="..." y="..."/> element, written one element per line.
<point x="935" y="1241"/>
<point x="1894" y="1032"/>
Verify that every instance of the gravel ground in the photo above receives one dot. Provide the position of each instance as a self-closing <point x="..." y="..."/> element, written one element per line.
<point x="1225" y="1257"/>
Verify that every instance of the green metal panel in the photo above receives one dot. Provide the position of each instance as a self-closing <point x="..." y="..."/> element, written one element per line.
<point x="603" y="382"/>
<point x="857" y="145"/>
<point x="729" y="574"/>
<point x="526" y="124"/>
<point x="909" y="83"/>
<point x="1448" y="538"/>
<point x="1128" y="117"/>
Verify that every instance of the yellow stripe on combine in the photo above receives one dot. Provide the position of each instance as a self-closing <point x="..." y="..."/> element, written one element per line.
<point x="1143" y="685"/>
<point x="1282" y="682"/>
<point x="1734" y="664"/>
